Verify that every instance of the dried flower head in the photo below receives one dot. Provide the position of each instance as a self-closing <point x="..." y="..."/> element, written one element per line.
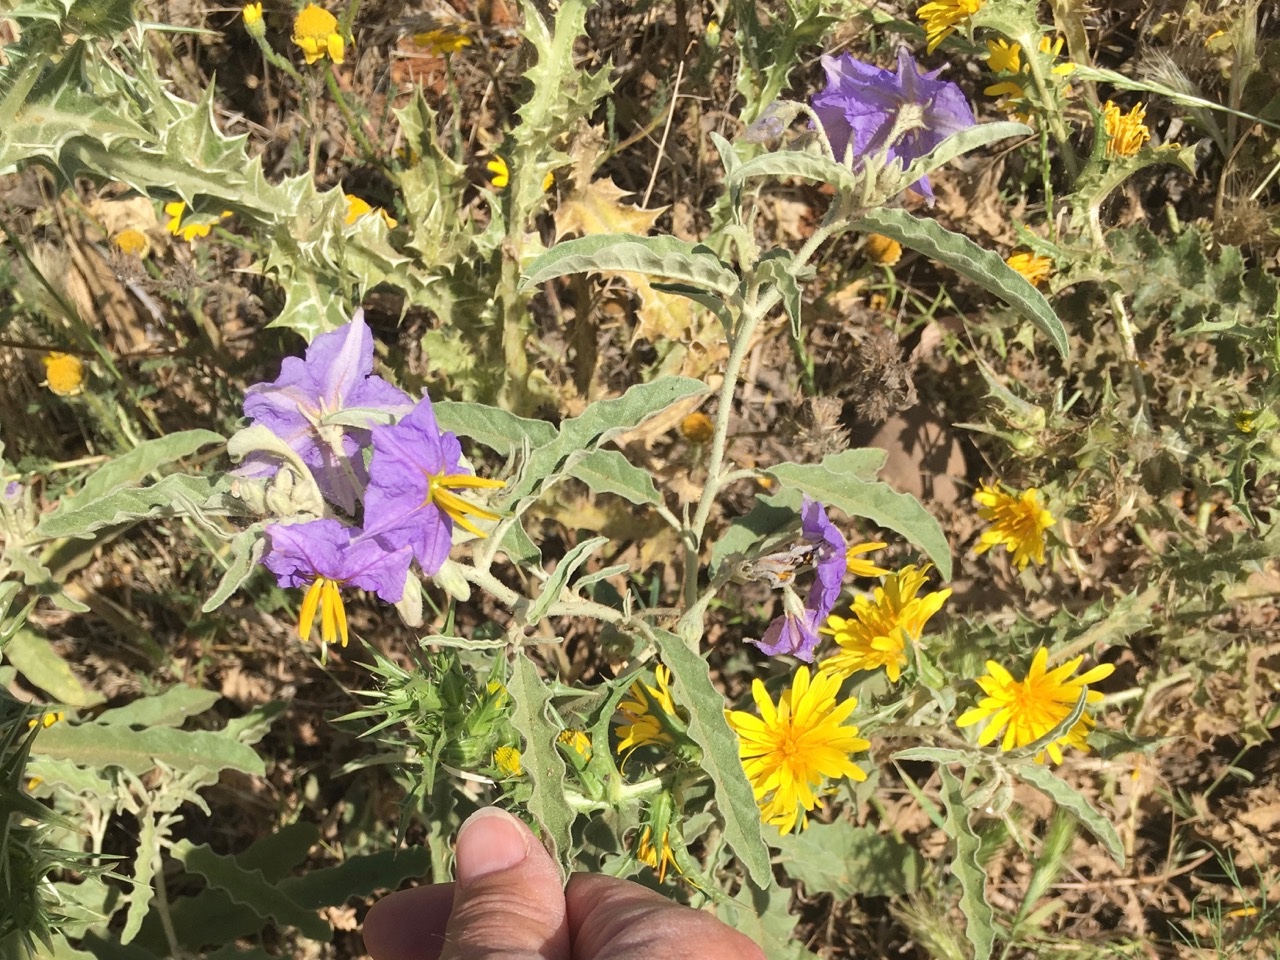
<point x="882" y="250"/>
<point x="697" y="428"/>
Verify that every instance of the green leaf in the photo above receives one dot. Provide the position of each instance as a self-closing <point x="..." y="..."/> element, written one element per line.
<point x="138" y="751"/>
<point x="357" y="877"/>
<point x="601" y="421"/>
<point x="837" y="482"/>
<point x="247" y="548"/>
<point x="784" y="164"/>
<point x="968" y="259"/>
<point x="711" y="731"/>
<point x="846" y="860"/>
<point x="565" y="569"/>
<point x="542" y="762"/>
<point x="979" y="917"/>
<point x="1067" y="798"/>
<point x="608" y="471"/>
<point x="168" y="709"/>
<point x="134" y="467"/>
<point x="249" y="889"/>
<point x="958" y="144"/>
<point x="495" y="428"/>
<point x="41" y="665"/>
<point x="174" y="496"/>
<point x="768" y="516"/>
<point x="663" y="256"/>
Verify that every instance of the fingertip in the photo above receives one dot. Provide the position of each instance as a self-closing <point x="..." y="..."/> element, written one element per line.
<point x="409" y="924"/>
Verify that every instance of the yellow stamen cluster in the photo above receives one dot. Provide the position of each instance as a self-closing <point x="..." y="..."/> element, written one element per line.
<point x="315" y="31"/>
<point x="324" y="594"/>
<point x="859" y="567"/>
<point x="440" y="489"/>
<point x="1126" y="132"/>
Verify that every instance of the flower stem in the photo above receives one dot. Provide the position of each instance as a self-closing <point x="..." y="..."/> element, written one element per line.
<point x="1031" y="47"/>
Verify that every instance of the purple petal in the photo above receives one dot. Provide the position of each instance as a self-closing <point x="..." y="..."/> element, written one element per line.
<point x="830" y="564"/>
<point x="796" y="636"/>
<point x="299" y="552"/>
<point x="338" y="360"/>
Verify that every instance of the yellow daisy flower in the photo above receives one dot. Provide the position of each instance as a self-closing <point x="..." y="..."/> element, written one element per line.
<point x="191" y="230"/>
<point x="877" y="633"/>
<point x="659" y="858"/>
<point x="1004" y="57"/>
<point x="507" y="760"/>
<point x="499" y="173"/>
<point x="63" y="374"/>
<point x="577" y="741"/>
<point x="791" y="748"/>
<point x="441" y="42"/>
<point x="1054" y="48"/>
<point x="357" y="208"/>
<point x="1126" y="132"/>
<point x="315" y="31"/>
<point x="942" y="16"/>
<point x="253" y="24"/>
<point x="132" y="241"/>
<point x="1026" y="710"/>
<point x="882" y="250"/>
<point x="650" y="715"/>
<point x="859" y="567"/>
<point x="1017" y="522"/>
<point x="1034" y="268"/>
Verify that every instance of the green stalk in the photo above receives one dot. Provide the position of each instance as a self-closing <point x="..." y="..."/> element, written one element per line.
<point x="1030" y="46"/>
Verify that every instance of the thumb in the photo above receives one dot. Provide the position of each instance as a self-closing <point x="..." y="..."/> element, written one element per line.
<point x="508" y="900"/>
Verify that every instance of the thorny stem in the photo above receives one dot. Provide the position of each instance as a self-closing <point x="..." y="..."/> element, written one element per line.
<point x="1030" y="46"/>
<point x="1128" y="341"/>
<point x="353" y="122"/>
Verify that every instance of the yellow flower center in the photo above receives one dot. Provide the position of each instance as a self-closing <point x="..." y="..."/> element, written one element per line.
<point x="325" y="596"/>
<point x="440" y="488"/>
<point x="64" y="374"/>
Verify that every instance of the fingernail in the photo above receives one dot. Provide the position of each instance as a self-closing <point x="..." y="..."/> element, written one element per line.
<point x="489" y="841"/>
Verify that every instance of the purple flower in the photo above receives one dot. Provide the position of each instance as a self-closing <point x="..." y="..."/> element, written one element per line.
<point x="335" y="376"/>
<point x="412" y="476"/>
<point x="862" y="103"/>
<point x="796" y="631"/>
<point x="323" y="555"/>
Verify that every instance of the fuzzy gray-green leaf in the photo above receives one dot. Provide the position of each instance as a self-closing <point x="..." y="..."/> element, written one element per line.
<point x="666" y="257"/>
<point x="542" y="762"/>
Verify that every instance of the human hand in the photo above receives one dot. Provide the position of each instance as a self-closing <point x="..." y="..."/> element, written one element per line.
<point x="508" y="904"/>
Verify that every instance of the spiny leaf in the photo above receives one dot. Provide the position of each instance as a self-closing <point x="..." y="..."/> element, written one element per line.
<point x="541" y="760"/>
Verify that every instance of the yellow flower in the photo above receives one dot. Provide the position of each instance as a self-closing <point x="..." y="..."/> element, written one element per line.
<point x="548" y="181"/>
<point x="577" y="741"/>
<point x="1004" y="57"/>
<point x="190" y="231"/>
<point x="253" y="24"/>
<point x="1126" y="133"/>
<point x="47" y="720"/>
<point x="357" y="208"/>
<point x="790" y="749"/>
<point x="507" y="760"/>
<point x="942" y="16"/>
<point x="697" y="428"/>
<point x="1246" y="421"/>
<point x="1017" y="522"/>
<point x="1028" y="709"/>
<point x="650" y="715"/>
<point x="1035" y="269"/>
<point x="63" y="374"/>
<point x="882" y="250"/>
<point x="647" y="854"/>
<point x="859" y="567"/>
<point x="500" y="174"/>
<point x="877" y="633"/>
<point x="1053" y="48"/>
<point x="324" y="594"/>
<point x="315" y="30"/>
<point x="132" y="241"/>
<point x="441" y="42"/>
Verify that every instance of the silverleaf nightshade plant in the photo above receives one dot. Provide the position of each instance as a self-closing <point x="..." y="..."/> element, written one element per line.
<point x="904" y="114"/>
<point x="796" y="631"/>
